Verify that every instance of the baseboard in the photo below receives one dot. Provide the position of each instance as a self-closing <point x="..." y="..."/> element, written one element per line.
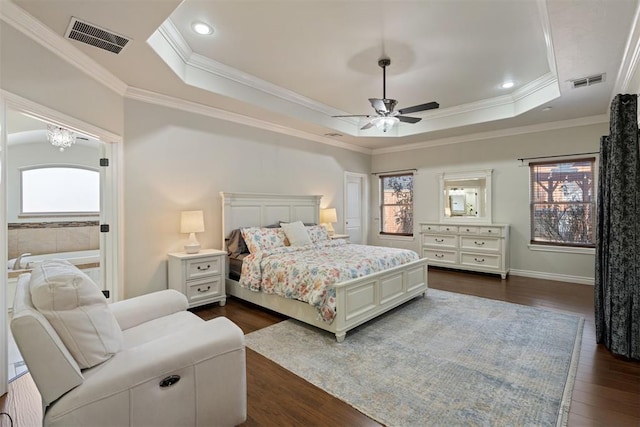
<point x="553" y="276"/>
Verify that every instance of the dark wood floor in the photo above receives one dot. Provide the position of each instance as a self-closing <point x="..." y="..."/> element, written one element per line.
<point x="606" y="392"/>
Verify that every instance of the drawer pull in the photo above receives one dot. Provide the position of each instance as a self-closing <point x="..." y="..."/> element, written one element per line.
<point x="479" y="243"/>
<point x="439" y="255"/>
<point x="169" y="381"/>
<point x="204" y="268"/>
<point x="204" y="290"/>
<point x="478" y="260"/>
<point x="447" y="228"/>
<point x="488" y="231"/>
<point x="439" y="240"/>
<point x="468" y="230"/>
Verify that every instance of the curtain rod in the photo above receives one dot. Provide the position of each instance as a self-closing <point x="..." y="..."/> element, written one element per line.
<point x="401" y="170"/>
<point x="559" y="155"/>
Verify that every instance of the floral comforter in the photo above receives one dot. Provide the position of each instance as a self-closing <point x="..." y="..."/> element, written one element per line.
<point x="307" y="272"/>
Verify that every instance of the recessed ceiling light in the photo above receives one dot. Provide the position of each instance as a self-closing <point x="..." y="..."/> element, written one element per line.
<point x="547" y="108"/>
<point x="507" y="85"/>
<point x="202" y="28"/>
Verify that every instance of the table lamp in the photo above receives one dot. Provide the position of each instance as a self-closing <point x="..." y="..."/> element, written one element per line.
<point x="192" y="222"/>
<point x="328" y="217"/>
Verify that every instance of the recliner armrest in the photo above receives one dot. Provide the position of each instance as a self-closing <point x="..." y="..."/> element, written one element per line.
<point x="217" y="344"/>
<point x="135" y="311"/>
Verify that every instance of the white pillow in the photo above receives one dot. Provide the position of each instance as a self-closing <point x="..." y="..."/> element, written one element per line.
<point x="297" y="233"/>
<point x="77" y="310"/>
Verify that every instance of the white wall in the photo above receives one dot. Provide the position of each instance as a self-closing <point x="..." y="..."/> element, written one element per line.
<point x="33" y="72"/>
<point x="510" y="189"/>
<point x="176" y="161"/>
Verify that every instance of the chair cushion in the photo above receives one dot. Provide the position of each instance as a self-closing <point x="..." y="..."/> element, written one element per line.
<point x="77" y="310"/>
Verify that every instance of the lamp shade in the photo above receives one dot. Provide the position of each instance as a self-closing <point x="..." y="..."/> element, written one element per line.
<point x="191" y="222"/>
<point x="328" y="215"/>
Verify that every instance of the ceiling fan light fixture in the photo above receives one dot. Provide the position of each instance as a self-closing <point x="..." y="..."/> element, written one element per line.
<point x="507" y="85"/>
<point x="384" y="123"/>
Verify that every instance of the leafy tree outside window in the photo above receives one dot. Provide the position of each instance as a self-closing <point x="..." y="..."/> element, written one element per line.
<point x="396" y="204"/>
<point x="562" y="203"/>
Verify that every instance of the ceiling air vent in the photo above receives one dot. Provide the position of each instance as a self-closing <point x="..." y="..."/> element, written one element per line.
<point x="587" y="81"/>
<point x="95" y="36"/>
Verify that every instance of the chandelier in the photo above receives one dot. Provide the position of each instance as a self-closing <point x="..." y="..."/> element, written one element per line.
<point x="60" y="137"/>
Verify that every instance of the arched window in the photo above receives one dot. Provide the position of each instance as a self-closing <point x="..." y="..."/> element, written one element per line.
<point x="59" y="191"/>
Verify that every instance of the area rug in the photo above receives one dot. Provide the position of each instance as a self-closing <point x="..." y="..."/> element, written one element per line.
<point x="443" y="360"/>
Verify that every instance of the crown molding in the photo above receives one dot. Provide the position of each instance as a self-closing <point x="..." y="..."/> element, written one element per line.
<point x="44" y="36"/>
<point x="629" y="63"/>
<point x="46" y="114"/>
<point x="205" y="110"/>
<point x="561" y="124"/>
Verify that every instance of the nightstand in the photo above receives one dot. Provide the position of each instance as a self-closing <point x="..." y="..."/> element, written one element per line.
<point x="344" y="237"/>
<point x="199" y="276"/>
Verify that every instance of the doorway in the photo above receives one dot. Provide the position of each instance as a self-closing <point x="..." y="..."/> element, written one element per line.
<point x="356" y="195"/>
<point x="106" y="145"/>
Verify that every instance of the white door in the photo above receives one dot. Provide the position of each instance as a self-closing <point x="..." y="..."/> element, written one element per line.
<point x="355" y="207"/>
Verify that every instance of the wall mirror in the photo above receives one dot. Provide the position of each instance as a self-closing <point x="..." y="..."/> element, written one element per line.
<point x="465" y="196"/>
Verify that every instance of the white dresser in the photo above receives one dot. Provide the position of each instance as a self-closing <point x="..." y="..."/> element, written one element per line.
<point x="199" y="276"/>
<point x="474" y="247"/>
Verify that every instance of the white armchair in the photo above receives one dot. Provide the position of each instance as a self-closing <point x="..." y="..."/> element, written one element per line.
<point x="172" y="368"/>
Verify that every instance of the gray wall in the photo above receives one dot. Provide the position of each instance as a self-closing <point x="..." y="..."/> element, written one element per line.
<point x="510" y="188"/>
<point x="177" y="161"/>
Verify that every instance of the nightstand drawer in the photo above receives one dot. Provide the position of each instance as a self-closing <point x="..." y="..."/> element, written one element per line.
<point x="204" y="288"/>
<point x="201" y="267"/>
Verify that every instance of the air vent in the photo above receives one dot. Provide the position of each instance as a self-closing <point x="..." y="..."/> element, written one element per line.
<point x="588" y="81"/>
<point x="95" y="36"/>
<point x="333" y="134"/>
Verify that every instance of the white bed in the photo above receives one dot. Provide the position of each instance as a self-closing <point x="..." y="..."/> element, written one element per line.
<point x="357" y="300"/>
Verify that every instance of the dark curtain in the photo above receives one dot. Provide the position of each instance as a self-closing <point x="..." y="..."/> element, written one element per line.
<point x="617" y="275"/>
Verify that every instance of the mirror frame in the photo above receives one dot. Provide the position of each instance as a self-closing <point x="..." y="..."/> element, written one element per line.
<point x="461" y="176"/>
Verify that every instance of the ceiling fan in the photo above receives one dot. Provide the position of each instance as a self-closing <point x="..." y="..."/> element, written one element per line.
<point x="386" y="117"/>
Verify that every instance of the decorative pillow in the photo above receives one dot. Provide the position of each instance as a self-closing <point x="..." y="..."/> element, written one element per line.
<point x="318" y="233"/>
<point x="77" y="310"/>
<point x="235" y="243"/>
<point x="297" y="233"/>
<point x="262" y="239"/>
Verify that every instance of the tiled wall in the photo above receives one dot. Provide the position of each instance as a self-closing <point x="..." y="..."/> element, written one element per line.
<point x="52" y="237"/>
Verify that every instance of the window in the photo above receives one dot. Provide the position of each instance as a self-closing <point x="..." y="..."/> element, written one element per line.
<point x="562" y="203"/>
<point x="60" y="190"/>
<point x="396" y="207"/>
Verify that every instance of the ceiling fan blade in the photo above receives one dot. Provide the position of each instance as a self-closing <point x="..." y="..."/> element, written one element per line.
<point x="407" y="119"/>
<point x="378" y="105"/>
<point x="367" y="126"/>
<point x="354" y="115"/>
<point x="421" y="107"/>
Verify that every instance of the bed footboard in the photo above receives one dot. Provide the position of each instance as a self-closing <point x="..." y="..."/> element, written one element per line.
<point x="357" y="300"/>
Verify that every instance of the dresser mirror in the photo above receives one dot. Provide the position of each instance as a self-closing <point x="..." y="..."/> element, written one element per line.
<point x="465" y="196"/>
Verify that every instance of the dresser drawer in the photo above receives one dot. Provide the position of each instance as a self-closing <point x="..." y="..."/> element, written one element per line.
<point x="201" y="267"/>
<point x="443" y="240"/>
<point x="480" y="260"/>
<point x="467" y="229"/>
<point x="448" y="257"/>
<point x="430" y="228"/>
<point x="479" y="243"/>
<point x="203" y="289"/>
<point x="448" y="229"/>
<point x="490" y="231"/>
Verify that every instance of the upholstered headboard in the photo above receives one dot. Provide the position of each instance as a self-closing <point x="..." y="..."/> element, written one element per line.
<point x="259" y="210"/>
